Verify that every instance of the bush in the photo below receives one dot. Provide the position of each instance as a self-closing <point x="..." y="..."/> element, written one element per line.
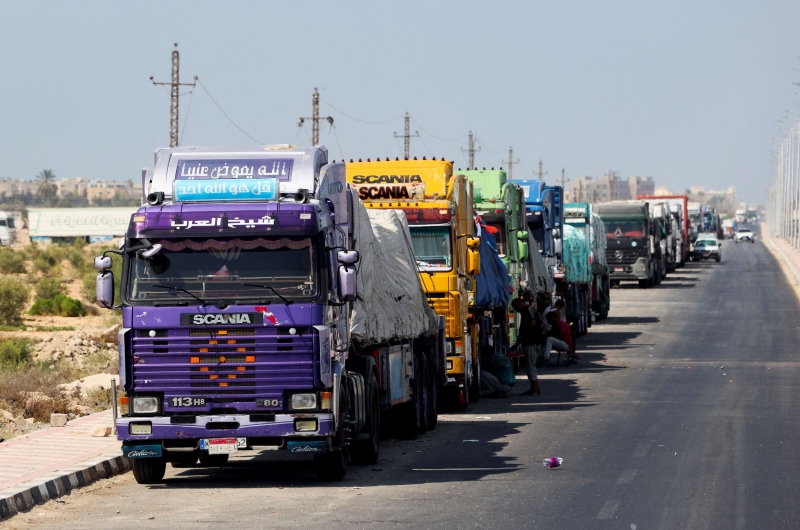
<point x="48" y="260"/>
<point x="60" y="305"/>
<point x="12" y="262"/>
<point x="14" y="295"/>
<point x="78" y="258"/>
<point x="14" y="353"/>
<point x="49" y="288"/>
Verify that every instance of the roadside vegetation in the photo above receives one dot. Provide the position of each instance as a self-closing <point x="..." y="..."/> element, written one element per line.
<point x="46" y="293"/>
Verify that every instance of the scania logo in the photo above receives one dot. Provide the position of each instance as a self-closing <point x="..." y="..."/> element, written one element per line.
<point x="618" y="255"/>
<point x="194" y="319"/>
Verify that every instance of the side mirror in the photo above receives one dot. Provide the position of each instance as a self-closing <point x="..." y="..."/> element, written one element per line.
<point x="473" y="261"/>
<point x="347" y="283"/>
<point x="473" y="242"/>
<point x="556" y="233"/>
<point x="152" y="251"/>
<point x="522" y="250"/>
<point x="105" y="288"/>
<point x="348" y="257"/>
<point x="102" y="263"/>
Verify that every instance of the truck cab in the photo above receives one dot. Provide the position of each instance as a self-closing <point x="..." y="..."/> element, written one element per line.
<point x="438" y="206"/>
<point x="8" y="232"/>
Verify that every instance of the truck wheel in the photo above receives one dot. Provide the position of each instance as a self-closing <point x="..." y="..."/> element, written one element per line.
<point x="332" y="466"/>
<point x="423" y="385"/>
<point x="717" y="258"/>
<point x="410" y="423"/>
<point x="475" y="384"/>
<point x="207" y="460"/>
<point x="433" y="397"/>
<point x="149" y="470"/>
<point x="365" y="448"/>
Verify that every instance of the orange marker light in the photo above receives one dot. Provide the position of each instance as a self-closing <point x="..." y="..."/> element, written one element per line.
<point x="194" y="360"/>
<point x="222" y="332"/>
<point x="222" y="358"/>
<point x="204" y="368"/>
<point x="250" y="359"/>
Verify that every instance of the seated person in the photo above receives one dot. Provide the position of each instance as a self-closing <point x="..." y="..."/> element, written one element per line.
<point x="497" y="374"/>
<point x="559" y="337"/>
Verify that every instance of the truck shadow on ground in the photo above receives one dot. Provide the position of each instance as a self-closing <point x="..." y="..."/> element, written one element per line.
<point x="456" y="450"/>
<point x="629" y="320"/>
<point x="608" y="340"/>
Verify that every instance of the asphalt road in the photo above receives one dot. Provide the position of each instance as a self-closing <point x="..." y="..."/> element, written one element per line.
<point x="680" y="415"/>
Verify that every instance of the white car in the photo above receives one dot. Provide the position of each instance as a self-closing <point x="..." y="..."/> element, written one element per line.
<point x="744" y="234"/>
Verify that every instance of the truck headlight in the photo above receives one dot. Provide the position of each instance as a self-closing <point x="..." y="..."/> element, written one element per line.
<point x="303" y="401"/>
<point x="145" y="405"/>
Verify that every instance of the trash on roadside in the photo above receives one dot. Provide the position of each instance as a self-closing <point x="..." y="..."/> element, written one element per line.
<point x="552" y="462"/>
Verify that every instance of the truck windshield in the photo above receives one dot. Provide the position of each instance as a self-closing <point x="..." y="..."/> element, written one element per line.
<point x="432" y="247"/>
<point x="221" y="269"/>
<point x="624" y="228"/>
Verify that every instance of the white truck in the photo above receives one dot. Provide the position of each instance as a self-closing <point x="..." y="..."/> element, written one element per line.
<point x="8" y="233"/>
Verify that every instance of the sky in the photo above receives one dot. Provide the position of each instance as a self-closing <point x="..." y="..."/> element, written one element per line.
<point x="689" y="92"/>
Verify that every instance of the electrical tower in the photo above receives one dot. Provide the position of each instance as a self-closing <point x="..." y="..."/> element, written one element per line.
<point x="562" y="179"/>
<point x="407" y="136"/>
<point x="174" y="95"/>
<point x="511" y="163"/>
<point x="470" y="150"/>
<point x="314" y="118"/>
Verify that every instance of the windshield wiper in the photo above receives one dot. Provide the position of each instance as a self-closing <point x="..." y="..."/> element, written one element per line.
<point x="285" y="300"/>
<point x="184" y="291"/>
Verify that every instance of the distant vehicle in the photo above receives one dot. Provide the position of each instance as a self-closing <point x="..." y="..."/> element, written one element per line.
<point x="745" y="234"/>
<point x="8" y="233"/>
<point x="707" y="246"/>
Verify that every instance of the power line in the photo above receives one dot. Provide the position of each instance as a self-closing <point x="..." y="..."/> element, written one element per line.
<point x="359" y="119"/>
<point x="436" y="137"/>
<point x="225" y="113"/>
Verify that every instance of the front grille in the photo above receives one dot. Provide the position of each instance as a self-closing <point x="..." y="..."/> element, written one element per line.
<point x="441" y="306"/>
<point x="620" y="252"/>
<point x="221" y="367"/>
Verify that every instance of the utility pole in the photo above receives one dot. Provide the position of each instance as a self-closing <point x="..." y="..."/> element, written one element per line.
<point x="562" y="178"/>
<point x="511" y="163"/>
<point x="541" y="173"/>
<point x="314" y="118"/>
<point x="174" y="95"/>
<point x="407" y="136"/>
<point x="470" y="150"/>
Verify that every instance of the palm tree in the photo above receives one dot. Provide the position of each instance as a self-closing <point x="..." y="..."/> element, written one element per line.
<point x="48" y="190"/>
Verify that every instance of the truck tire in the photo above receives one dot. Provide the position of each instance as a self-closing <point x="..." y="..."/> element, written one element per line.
<point x="433" y="396"/>
<point x="410" y="424"/>
<point x="149" y="470"/>
<point x="475" y="384"/>
<point x="332" y="466"/>
<point x="207" y="460"/>
<point x="365" y="448"/>
<point x="644" y="284"/>
<point x="423" y="385"/>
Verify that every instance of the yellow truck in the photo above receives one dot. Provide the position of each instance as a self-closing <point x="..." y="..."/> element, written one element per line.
<point x="438" y="206"/>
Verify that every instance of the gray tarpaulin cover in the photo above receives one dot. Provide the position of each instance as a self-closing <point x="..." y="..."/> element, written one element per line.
<point x="391" y="305"/>
<point x="535" y="269"/>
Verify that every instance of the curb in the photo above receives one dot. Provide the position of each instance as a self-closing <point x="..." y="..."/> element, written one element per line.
<point x="25" y="496"/>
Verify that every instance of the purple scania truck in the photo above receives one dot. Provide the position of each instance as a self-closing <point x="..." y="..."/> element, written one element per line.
<point x="264" y="308"/>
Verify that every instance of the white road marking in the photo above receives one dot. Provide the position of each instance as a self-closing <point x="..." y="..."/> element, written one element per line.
<point x="608" y="509"/>
<point x="627" y="476"/>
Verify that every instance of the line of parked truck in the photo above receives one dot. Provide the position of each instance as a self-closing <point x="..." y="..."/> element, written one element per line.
<point x="274" y="299"/>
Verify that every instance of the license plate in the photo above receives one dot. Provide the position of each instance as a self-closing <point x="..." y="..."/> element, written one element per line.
<point x="219" y="446"/>
<point x="618" y="269"/>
